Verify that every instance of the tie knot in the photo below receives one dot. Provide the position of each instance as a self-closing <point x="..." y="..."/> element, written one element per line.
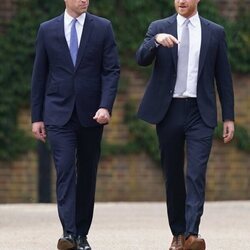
<point x="74" y="21"/>
<point x="187" y="21"/>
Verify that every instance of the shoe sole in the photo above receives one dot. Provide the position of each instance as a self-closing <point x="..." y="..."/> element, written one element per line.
<point x="65" y="245"/>
<point x="197" y="246"/>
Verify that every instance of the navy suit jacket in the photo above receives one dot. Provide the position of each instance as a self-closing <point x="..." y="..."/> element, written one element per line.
<point x="58" y="86"/>
<point x="213" y="67"/>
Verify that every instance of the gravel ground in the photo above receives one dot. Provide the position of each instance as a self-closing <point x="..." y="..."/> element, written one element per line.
<point x="123" y="226"/>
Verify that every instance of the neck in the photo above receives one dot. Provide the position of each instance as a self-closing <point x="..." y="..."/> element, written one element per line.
<point x="194" y="13"/>
<point x="72" y="13"/>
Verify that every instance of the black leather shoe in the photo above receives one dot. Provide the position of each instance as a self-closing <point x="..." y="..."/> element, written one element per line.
<point x="67" y="242"/>
<point x="82" y="243"/>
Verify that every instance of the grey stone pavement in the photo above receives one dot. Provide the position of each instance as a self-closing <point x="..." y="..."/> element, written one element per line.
<point x="123" y="226"/>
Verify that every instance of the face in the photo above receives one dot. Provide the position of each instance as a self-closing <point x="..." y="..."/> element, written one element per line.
<point x="76" y="7"/>
<point x="186" y="8"/>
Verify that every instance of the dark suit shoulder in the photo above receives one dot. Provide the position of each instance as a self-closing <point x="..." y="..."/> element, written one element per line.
<point x="164" y="21"/>
<point x="52" y="21"/>
<point x="212" y="24"/>
<point x="98" y="19"/>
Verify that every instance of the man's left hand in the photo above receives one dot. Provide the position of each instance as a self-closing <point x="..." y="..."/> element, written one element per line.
<point x="228" y="131"/>
<point x="102" y="116"/>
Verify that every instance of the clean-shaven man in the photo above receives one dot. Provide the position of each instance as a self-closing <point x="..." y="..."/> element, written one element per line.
<point x="74" y="84"/>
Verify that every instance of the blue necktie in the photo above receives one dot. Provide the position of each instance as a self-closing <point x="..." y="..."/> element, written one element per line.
<point x="73" y="47"/>
<point x="183" y="56"/>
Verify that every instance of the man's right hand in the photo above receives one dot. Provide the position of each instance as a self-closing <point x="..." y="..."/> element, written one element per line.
<point x="166" y="40"/>
<point x="38" y="130"/>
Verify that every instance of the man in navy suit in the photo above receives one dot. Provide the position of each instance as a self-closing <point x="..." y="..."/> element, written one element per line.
<point x="188" y="52"/>
<point x="74" y="84"/>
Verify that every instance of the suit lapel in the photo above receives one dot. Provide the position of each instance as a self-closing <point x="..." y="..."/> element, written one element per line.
<point x="172" y="29"/>
<point x="175" y="48"/>
<point x="87" y="29"/>
<point x="62" y="40"/>
<point x="205" y="38"/>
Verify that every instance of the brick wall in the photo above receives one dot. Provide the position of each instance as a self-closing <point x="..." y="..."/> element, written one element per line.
<point x="136" y="177"/>
<point x="228" y="176"/>
<point x="18" y="180"/>
<point x="7" y="10"/>
<point x="229" y="8"/>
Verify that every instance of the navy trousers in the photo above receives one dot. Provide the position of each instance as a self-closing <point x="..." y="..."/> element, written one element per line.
<point x="76" y="153"/>
<point x="181" y="132"/>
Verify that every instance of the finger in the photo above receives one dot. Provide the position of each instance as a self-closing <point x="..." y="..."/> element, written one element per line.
<point x="101" y="116"/>
<point x="36" y="134"/>
<point x="43" y="132"/>
<point x="42" y="139"/>
<point x="228" y="137"/>
<point x="100" y="121"/>
<point x="166" y="43"/>
<point x="103" y="120"/>
<point x="174" y="40"/>
<point x="35" y="131"/>
<point x="95" y="117"/>
<point x="39" y="137"/>
<point x="225" y="131"/>
<point x="170" y="42"/>
<point x="108" y="119"/>
<point x="104" y="115"/>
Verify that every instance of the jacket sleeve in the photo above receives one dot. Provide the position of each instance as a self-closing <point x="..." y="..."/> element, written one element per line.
<point x="145" y="55"/>
<point x="110" y="70"/>
<point x="39" y="78"/>
<point x="224" y="80"/>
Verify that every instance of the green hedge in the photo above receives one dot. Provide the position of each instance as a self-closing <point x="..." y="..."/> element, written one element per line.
<point x="130" y="19"/>
<point x="143" y="137"/>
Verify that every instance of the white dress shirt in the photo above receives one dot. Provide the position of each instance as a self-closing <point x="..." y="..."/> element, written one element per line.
<point x="68" y="20"/>
<point x="194" y="52"/>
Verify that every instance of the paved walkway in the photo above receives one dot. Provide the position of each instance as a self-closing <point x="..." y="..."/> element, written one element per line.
<point x="124" y="226"/>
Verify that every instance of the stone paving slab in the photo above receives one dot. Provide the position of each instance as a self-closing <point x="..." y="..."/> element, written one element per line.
<point x="123" y="226"/>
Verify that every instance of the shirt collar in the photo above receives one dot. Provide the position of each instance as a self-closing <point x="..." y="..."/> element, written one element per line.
<point x="68" y="19"/>
<point x="81" y="18"/>
<point x="194" y="20"/>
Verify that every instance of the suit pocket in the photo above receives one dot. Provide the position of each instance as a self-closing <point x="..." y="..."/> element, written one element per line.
<point x="52" y="89"/>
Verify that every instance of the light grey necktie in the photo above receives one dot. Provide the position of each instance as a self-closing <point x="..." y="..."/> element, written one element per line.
<point x="182" y="65"/>
<point x="73" y="47"/>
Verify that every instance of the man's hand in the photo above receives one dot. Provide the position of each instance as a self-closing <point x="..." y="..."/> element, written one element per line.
<point x="228" y="131"/>
<point x="102" y="116"/>
<point x="38" y="130"/>
<point x="166" y="40"/>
